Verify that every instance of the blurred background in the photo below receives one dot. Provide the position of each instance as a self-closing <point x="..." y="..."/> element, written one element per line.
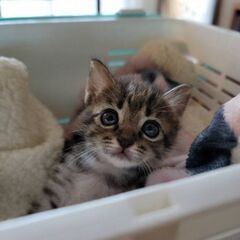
<point x="224" y="13"/>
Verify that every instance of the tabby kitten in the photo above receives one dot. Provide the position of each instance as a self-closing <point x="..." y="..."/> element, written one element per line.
<point x="124" y="129"/>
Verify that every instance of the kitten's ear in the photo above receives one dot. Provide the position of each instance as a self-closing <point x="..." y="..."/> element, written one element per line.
<point x="177" y="98"/>
<point x="99" y="79"/>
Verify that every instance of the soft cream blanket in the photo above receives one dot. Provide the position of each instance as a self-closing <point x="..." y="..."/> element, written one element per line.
<point x="30" y="141"/>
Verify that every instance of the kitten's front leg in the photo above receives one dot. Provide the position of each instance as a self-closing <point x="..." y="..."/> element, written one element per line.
<point x="56" y="192"/>
<point x="66" y="187"/>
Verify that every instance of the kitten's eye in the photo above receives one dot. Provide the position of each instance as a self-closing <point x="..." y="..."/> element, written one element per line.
<point x="109" y="117"/>
<point x="151" y="128"/>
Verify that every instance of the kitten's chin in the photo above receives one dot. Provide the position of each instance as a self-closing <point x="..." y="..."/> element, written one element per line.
<point x="119" y="160"/>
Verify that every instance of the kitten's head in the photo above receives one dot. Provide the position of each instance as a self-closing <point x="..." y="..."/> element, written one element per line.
<point x="127" y="122"/>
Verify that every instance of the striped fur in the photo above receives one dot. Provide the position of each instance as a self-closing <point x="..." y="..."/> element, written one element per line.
<point x="100" y="160"/>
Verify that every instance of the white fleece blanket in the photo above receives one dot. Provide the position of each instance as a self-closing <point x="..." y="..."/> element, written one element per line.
<point x="30" y="141"/>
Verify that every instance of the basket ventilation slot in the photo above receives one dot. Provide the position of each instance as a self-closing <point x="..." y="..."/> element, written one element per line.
<point x="118" y="57"/>
<point x="116" y="63"/>
<point x="201" y="90"/>
<point x="230" y="87"/>
<point x="202" y="104"/>
<point x="213" y="88"/>
<point x="211" y="68"/>
<point x="228" y="93"/>
<point x="122" y="52"/>
<point x="203" y="78"/>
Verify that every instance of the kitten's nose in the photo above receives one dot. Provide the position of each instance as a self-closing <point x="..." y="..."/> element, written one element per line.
<point x="125" y="142"/>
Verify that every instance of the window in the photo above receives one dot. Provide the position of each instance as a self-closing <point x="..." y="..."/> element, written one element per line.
<point x="37" y="8"/>
<point x="113" y="6"/>
<point x="43" y="8"/>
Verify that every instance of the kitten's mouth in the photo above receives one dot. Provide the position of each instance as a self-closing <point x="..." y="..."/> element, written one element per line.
<point x="120" y="158"/>
<point x="122" y="155"/>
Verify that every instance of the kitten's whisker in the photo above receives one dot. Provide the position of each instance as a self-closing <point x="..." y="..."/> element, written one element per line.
<point x="143" y="167"/>
<point x="149" y="167"/>
<point x="83" y="156"/>
<point x="170" y="106"/>
<point x="68" y="148"/>
<point x="78" y="132"/>
<point x="140" y="151"/>
<point x="148" y="170"/>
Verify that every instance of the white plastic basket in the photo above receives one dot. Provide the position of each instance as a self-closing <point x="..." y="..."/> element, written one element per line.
<point x="57" y="54"/>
